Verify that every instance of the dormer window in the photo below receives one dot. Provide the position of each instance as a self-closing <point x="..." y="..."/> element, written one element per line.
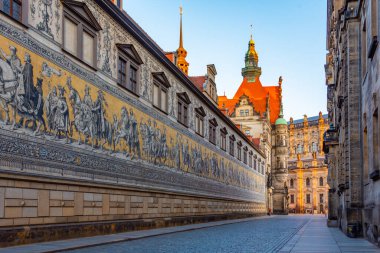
<point x="199" y="120"/>
<point x="239" y="145"/>
<point x="183" y="108"/>
<point x="232" y="145"/>
<point x="128" y="68"/>
<point x="223" y="138"/>
<point x="80" y="32"/>
<point x="212" y="130"/>
<point x="160" y="91"/>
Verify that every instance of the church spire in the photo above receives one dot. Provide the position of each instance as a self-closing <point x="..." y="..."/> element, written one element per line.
<point x="281" y="115"/>
<point x="181" y="51"/>
<point x="251" y="71"/>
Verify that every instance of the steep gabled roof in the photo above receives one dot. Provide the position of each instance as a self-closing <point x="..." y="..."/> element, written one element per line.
<point x="257" y="94"/>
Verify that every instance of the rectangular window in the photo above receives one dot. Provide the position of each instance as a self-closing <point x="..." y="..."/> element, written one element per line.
<point x="250" y="160"/>
<point x="70" y="41"/>
<point x="223" y="142"/>
<point x="122" y="75"/>
<point x="88" y="48"/>
<point x="13" y="8"/>
<point x="232" y="146"/>
<point x="199" y="124"/>
<point x="321" y="198"/>
<point x="246" y="112"/>
<point x="212" y="133"/>
<point x="308" y="198"/>
<point x="245" y="156"/>
<point x="292" y="199"/>
<point x="239" y="152"/>
<point x="133" y="79"/>
<point x="79" y="37"/>
<point x="156" y="95"/>
<point x="164" y="100"/>
<point x="183" y="114"/>
<point x="255" y="164"/>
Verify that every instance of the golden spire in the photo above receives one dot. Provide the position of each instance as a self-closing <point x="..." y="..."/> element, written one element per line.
<point x="181" y="51"/>
<point x="180" y="27"/>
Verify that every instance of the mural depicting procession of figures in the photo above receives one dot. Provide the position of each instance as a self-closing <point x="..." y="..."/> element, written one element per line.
<point x="40" y="99"/>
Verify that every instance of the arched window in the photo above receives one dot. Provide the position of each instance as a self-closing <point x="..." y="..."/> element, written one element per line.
<point x="291" y="183"/>
<point x="314" y="147"/>
<point x="307" y="182"/>
<point x="321" y="181"/>
<point x="299" y="149"/>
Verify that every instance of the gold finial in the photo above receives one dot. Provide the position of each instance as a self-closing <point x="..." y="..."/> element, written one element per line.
<point x="251" y="30"/>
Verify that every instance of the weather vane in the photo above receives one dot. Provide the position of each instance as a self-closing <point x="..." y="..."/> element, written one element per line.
<point x="251" y="30"/>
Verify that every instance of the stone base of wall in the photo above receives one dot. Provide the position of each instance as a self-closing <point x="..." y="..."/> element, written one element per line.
<point x="36" y="209"/>
<point x="11" y="236"/>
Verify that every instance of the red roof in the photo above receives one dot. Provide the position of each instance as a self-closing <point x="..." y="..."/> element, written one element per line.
<point x="257" y="94"/>
<point x="170" y="56"/>
<point x="198" y="81"/>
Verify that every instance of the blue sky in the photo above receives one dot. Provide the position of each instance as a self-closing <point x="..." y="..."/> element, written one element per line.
<point x="290" y="37"/>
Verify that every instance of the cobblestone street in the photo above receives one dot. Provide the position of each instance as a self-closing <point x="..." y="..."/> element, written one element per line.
<point x="262" y="235"/>
<point x="293" y="233"/>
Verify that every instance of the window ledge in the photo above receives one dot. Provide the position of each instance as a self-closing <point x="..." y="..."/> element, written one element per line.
<point x="79" y="59"/>
<point x="128" y="90"/>
<point x="22" y="23"/>
<point x="159" y="109"/>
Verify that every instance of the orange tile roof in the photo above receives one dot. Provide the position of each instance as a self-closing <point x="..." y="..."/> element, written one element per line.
<point x="170" y="56"/>
<point x="258" y="96"/>
<point x="198" y="81"/>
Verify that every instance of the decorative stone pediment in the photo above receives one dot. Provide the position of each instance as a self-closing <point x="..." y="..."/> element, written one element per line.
<point x="184" y="97"/>
<point x="200" y="111"/>
<point x="131" y="52"/>
<point x="83" y="12"/>
<point x="213" y="122"/>
<point x="161" y="77"/>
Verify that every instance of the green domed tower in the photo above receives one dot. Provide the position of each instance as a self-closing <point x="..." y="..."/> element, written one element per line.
<point x="280" y="162"/>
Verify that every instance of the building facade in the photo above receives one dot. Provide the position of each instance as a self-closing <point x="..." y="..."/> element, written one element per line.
<point x="307" y="181"/>
<point x="101" y="130"/>
<point x="352" y="141"/>
<point x="257" y="110"/>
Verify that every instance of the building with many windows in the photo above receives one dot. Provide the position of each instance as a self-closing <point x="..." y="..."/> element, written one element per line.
<point x="101" y="130"/>
<point x="307" y="181"/>
<point x="351" y="143"/>
<point x="257" y="111"/>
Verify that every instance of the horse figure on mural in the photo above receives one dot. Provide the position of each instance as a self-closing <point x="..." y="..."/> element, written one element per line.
<point x="18" y="91"/>
<point x="83" y="116"/>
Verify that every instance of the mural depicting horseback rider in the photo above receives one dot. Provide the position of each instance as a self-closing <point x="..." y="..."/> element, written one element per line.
<point x="10" y="73"/>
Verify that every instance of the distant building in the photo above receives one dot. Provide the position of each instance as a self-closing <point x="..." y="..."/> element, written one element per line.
<point x="307" y="181"/>
<point x="257" y="111"/>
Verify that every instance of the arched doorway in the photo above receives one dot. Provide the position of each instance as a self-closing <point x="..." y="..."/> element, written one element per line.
<point x="321" y="209"/>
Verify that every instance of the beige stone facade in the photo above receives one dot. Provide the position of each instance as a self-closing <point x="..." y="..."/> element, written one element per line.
<point x="352" y="141"/>
<point x="307" y="181"/>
